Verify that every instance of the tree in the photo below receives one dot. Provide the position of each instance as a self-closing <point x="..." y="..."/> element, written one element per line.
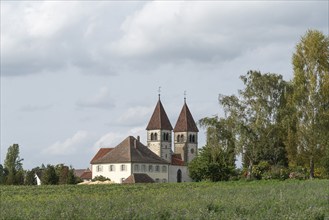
<point x="30" y="177"/>
<point x="207" y="166"/>
<point x="49" y="176"/>
<point x="257" y="117"/>
<point x="311" y="96"/>
<point x="2" y="175"/>
<point x="13" y="164"/>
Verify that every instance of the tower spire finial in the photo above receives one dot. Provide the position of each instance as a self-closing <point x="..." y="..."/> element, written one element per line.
<point x="185" y="96"/>
<point x="159" y="92"/>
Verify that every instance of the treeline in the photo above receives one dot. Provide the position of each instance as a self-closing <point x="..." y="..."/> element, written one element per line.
<point x="280" y="128"/>
<point x="12" y="173"/>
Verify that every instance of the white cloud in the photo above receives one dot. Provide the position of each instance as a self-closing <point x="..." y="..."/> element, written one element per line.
<point x="112" y="139"/>
<point x="102" y="100"/>
<point x="212" y="31"/>
<point x="135" y="115"/>
<point x="69" y="146"/>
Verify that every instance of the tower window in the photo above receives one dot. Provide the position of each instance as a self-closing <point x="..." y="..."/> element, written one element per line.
<point x="178" y="138"/>
<point x="155" y="136"/>
<point x="152" y="138"/>
<point x="182" y="138"/>
<point x="193" y="138"/>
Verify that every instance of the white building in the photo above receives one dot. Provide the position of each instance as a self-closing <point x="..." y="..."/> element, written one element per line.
<point x="132" y="162"/>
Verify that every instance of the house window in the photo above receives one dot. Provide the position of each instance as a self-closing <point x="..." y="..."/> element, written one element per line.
<point x="99" y="168"/>
<point x="157" y="180"/>
<point x="157" y="168"/>
<point x="150" y="168"/>
<point x="136" y="168"/>
<point x="112" y="168"/>
<point x="143" y="168"/>
<point x="164" y="180"/>
<point x="164" y="169"/>
<point x="123" y="167"/>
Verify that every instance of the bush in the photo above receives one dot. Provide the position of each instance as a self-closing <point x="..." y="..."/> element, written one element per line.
<point x="299" y="173"/>
<point x="100" y="178"/>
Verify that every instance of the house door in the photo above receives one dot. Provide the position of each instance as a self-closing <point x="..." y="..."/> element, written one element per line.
<point x="179" y="176"/>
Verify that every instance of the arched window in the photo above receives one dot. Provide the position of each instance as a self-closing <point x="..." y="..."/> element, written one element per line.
<point x="179" y="176"/>
<point x="155" y="136"/>
<point x="178" y="138"/>
<point x="152" y="137"/>
<point x="164" y="136"/>
<point x="193" y="138"/>
<point x="190" y="138"/>
<point x="182" y="138"/>
<point x="167" y="137"/>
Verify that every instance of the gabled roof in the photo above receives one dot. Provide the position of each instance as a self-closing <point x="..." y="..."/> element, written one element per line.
<point x="185" y="121"/>
<point x="79" y="172"/>
<point x="159" y="119"/>
<point x="138" y="178"/>
<point x="130" y="150"/>
<point x="101" y="153"/>
<point x="176" y="159"/>
<point x="87" y="175"/>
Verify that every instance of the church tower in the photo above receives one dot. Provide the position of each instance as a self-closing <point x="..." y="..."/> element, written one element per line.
<point x="186" y="135"/>
<point x="159" y="132"/>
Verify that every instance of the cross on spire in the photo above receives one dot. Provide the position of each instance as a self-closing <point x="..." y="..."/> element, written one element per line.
<point x="159" y="92"/>
<point x="185" y="96"/>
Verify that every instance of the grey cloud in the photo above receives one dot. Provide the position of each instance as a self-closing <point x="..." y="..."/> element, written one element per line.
<point x="35" y="108"/>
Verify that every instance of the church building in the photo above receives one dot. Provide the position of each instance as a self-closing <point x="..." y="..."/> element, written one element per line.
<point x="133" y="162"/>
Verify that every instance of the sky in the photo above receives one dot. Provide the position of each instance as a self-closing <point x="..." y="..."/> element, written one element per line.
<point x="80" y="75"/>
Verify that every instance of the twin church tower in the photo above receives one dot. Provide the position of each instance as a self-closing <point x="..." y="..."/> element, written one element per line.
<point x="185" y="135"/>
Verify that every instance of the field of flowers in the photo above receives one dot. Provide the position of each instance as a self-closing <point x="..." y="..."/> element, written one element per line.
<point x="224" y="200"/>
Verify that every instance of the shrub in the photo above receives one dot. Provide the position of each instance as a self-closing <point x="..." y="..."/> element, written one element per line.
<point x="100" y="178"/>
<point x="299" y="173"/>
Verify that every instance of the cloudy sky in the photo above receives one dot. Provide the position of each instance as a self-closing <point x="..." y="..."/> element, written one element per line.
<point x="76" y="76"/>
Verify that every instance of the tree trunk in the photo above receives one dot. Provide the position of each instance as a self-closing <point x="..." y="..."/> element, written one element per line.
<point x="249" y="174"/>
<point x="311" y="168"/>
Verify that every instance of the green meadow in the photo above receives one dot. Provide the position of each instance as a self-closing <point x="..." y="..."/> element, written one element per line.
<point x="291" y="199"/>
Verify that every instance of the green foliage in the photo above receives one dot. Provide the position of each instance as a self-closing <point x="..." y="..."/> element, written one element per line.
<point x="224" y="200"/>
<point x="49" y="176"/>
<point x="13" y="166"/>
<point x="311" y="98"/>
<point x="100" y="178"/>
<point x="2" y="175"/>
<point x="30" y="178"/>
<point x="211" y="165"/>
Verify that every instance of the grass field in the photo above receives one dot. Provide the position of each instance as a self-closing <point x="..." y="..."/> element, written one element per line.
<point x="224" y="200"/>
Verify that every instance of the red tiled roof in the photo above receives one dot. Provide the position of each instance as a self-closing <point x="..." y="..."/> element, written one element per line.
<point x="185" y="121"/>
<point x="86" y="175"/>
<point x="138" y="178"/>
<point x="176" y="159"/>
<point x="159" y="119"/>
<point x="101" y="153"/>
<point x="79" y="172"/>
<point x="130" y="150"/>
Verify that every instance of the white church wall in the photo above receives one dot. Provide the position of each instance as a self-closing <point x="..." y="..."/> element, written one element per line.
<point x="173" y="170"/>
<point x="116" y="172"/>
<point x="158" y="172"/>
